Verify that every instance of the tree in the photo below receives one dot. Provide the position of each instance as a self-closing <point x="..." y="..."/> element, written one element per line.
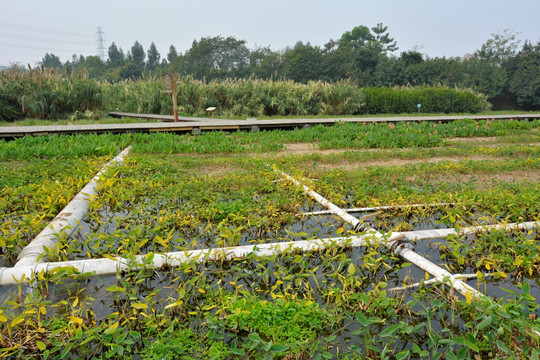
<point x="303" y="62"/>
<point x="130" y="71"/>
<point x="525" y="83"/>
<point x="500" y="47"/>
<point x="217" y="58"/>
<point x="116" y="56"/>
<point x="365" y="53"/>
<point x="94" y="65"/>
<point x="153" y="57"/>
<point x="389" y="72"/>
<point x="172" y="54"/>
<point x="264" y="63"/>
<point x="411" y="57"/>
<point x="51" y="61"/>
<point x="357" y="38"/>
<point x="334" y="61"/>
<point x="483" y="76"/>
<point x="388" y="44"/>
<point x="137" y="55"/>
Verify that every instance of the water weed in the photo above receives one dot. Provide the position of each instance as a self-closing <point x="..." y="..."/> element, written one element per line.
<point x="178" y="193"/>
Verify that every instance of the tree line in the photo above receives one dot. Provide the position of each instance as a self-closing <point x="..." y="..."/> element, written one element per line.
<point x="507" y="71"/>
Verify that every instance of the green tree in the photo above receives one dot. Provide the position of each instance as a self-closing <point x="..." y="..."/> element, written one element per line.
<point x="137" y="55"/>
<point x="335" y="61"/>
<point x="303" y="62"/>
<point x="427" y="72"/>
<point x="483" y="76"/>
<point x="172" y="54"/>
<point x="94" y="65"/>
<point x="382" y="37"/>
<point x="500" y="47"/>
<point x="265" y="63"/>
<point x="116" y="56"/>
<point x="411" y="57"/>
<point x="364" y="53"/>
<point x="357" y="38"/>
<point x="153" y="57"/>
<point x="51" y="61"/>
<point x="389" y="72"/>
<point x="129" y="71"/>
<point x="217" y="58"/>
<point x="525" y="83"/>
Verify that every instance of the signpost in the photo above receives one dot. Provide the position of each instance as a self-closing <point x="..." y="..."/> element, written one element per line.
<point x="170" y="87"/>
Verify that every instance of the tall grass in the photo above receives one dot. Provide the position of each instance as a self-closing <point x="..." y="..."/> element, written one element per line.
<point x="238" y="97"/>
<point x="45" y="94"/>
<point x="257" y="97"/>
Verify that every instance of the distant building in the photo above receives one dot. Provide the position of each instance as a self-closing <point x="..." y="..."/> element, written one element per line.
<point x="467" y="56"/>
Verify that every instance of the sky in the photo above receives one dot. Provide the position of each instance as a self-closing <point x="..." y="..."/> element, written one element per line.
<point x="31" y="28"/>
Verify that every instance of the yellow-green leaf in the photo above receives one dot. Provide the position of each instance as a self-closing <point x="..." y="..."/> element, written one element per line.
<point x="111" y="329"/>
<point x="139" y="306"/>
<point x="76" y="320"/>
<point x="352" y="269"/>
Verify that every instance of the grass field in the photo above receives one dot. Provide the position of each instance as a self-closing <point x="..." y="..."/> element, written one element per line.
<point x="183" y="192"/>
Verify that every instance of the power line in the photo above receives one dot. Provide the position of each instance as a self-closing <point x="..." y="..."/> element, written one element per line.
<point x="41" y="30"/>
<point x="48" y="49"/>
<point x="42" y="39"/>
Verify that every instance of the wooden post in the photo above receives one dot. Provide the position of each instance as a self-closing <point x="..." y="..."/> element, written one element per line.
<point x="173" y="91"/>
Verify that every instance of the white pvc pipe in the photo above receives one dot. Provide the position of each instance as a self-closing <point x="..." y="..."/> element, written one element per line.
<point x="404" y="250"/>
<point x="67" y="220"/>
<point x="443" y="233"/>
<point x="365" y="209"/>
<point x="433" y="281"/>
<point x="333" y="209"/>
<point x="105" y="266"/>
<point x="438" y="272"/>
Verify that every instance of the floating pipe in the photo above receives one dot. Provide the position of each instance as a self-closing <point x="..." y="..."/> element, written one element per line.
<point x="404" y="250"/>
<point x="433" y="281"/>
<point x="365" y="209"/>
<point x="106" y="266"/>
<point x="443" y="233"/>
<point x="332" y="209"/>
<point x="68" y="219"/>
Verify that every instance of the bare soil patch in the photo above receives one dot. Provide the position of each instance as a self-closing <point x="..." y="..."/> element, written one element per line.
<point x="483" y="181"/>
<point x="310" y="148"/>
<point x="398" y="162"/>
<point x="474" y="139"/>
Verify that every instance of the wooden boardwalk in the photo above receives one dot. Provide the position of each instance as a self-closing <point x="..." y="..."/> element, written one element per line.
<point x="197" y="125"/>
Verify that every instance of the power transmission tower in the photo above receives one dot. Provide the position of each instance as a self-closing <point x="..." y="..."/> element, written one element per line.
<point x="100" y="44"/>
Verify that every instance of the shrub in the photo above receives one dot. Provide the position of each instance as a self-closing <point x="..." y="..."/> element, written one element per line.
<point x="434" y="99"/>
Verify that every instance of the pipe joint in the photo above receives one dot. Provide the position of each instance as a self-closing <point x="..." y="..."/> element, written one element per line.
<point x="402" y="248"/>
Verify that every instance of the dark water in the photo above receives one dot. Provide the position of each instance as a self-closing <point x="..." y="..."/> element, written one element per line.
<point x="246" y="273"/>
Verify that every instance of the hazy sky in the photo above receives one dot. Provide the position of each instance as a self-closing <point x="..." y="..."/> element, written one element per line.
<point x="30" y="28"/>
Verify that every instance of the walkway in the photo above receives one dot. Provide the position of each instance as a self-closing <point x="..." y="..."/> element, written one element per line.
<point x="197" y="125"/>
